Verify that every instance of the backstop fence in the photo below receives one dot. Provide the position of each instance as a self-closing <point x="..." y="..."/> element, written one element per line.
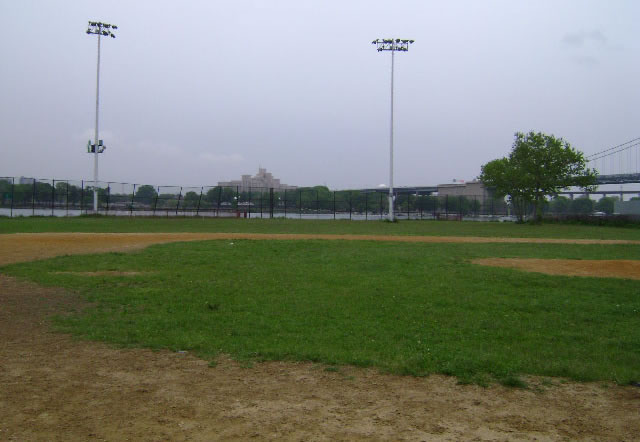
<point x="49" y="197"/>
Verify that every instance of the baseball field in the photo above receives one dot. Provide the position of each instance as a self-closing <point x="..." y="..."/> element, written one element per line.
<point x="201" y="329"/>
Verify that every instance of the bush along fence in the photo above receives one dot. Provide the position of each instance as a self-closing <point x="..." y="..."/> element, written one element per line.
<point x="42" y="197"/>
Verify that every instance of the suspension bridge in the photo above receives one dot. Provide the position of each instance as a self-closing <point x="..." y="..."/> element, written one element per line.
<point x="618" y="164"/>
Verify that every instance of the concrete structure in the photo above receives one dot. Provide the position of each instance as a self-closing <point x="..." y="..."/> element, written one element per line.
<point x="468" y="189"/>
<point x="626" y="207"/>
<point x="262" y="179"/>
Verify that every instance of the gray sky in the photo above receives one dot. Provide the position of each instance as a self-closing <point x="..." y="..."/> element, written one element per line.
<point x="194" y="92"/>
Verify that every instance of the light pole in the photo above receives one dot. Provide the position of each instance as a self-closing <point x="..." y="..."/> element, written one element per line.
<point x="99" y="29"/>
<point x="393" y="45"/>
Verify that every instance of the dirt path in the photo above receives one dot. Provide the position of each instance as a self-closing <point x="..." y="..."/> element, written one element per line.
<point x="19" y="247"/>
<point x="55" y="388"/>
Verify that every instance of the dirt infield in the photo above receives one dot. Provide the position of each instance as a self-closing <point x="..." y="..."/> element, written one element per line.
<point x="53" y="387"/>
<point x="603" y="268"/>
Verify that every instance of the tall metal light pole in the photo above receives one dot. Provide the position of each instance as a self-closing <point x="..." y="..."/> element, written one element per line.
<point x="393" y="45"/>
<point x="99" y="29"/>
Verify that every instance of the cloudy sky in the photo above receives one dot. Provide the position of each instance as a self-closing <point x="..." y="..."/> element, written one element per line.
<point x="193" y="92"/>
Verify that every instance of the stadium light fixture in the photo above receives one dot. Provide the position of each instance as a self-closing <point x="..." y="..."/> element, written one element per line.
<point x="393" y="45"/>
<point x="99" y="29"/>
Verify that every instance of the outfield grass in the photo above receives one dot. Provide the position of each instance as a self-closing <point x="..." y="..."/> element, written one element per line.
<point x="404" y="308"/>
<point x="429" y="228"/>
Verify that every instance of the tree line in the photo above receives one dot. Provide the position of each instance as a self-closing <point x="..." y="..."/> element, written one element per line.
<point x="312" y="199"/>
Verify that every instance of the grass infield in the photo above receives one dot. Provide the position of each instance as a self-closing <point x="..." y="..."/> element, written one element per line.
<point x="401" y="307"/>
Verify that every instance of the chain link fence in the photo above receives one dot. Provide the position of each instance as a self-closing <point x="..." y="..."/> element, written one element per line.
<point x="48" y="197"/>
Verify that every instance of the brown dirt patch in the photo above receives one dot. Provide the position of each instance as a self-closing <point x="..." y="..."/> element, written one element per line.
<point x="20" y="247"/>
<point x="603" y="268"/>
<point x="53" y="387"/>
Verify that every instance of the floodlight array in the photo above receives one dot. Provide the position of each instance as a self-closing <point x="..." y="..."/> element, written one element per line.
<point x="391" y="44"/>
<point x="99" y="28"/>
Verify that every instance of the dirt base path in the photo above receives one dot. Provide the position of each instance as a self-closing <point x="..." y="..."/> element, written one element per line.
<point x="53" y="387"/>
<point x="19" y="247"/>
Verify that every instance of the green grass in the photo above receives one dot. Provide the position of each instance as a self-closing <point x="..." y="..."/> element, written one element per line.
<point x="403" y="308"/>
<point x="430" y="228"/>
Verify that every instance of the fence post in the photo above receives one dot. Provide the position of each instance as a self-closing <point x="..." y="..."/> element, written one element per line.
<point x="285" y="203"/>
<point x="33" y="198"/>
<point x="199" y="199"/>
<point x="381" y="206"/>
<point x="219" y="196"/>
<point x="366" y="206"/>
<point x="13" y="185"/>
<point x="237" y="200"/>
<point x="66" y="198"/>
<point x="53" y="195"/>
<point x="108" y="196"/>
<point x="249" y="205"/>
<point x="271" y="202"/>
<point x="300" y="203"/>
<point x="133" y="193"/>
<point x="408" y="206"/>
<point x="155" y="202"/>
<point x="81" y="196"/>
<point x="334" y="204"/>
<point x="350" y="204"/>
<point x="179" y="197"/>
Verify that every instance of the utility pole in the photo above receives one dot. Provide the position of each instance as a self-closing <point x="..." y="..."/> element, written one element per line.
<point x="99" y="29"/>
<point x="393" y="45"/>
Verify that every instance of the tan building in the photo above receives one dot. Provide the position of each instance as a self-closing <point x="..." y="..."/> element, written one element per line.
<point x="262" y="179"/>
<point x="468" y="189"/>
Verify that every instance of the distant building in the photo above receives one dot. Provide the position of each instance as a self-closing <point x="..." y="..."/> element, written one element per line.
<point x="23" y="180"/>
<point x="468" y="189"/>
<point x="262" y="179"/>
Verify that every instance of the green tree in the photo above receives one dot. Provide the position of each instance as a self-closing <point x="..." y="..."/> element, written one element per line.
<point x="146" y="194"/>
<point x="5" y="192"/>
<point x="190" y="200"/>
<point x="560" y="205"/>
<point x="582" y="206"/>
<point x="218" y="195"/>
<point x="538" y="165"/>
<point x="606" y="204"/>
<point x="502" y="176"/>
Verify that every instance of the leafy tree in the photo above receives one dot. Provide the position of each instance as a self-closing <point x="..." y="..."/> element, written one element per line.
<point x="582" y="206"/>
<point x="538" y="165"/>
<point x="43" y="192"/>
<point x="560" y="205"/>
<point x="191" y="199"/>
<point x="5" y="192"/>
<point x="146" y="194"/>
<point x="606" y="204"/>
<point x="218" y="194"/>
<point x="503" y="177"/>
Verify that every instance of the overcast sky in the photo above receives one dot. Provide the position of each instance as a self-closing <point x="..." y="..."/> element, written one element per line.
<point x="194" y="92"/>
